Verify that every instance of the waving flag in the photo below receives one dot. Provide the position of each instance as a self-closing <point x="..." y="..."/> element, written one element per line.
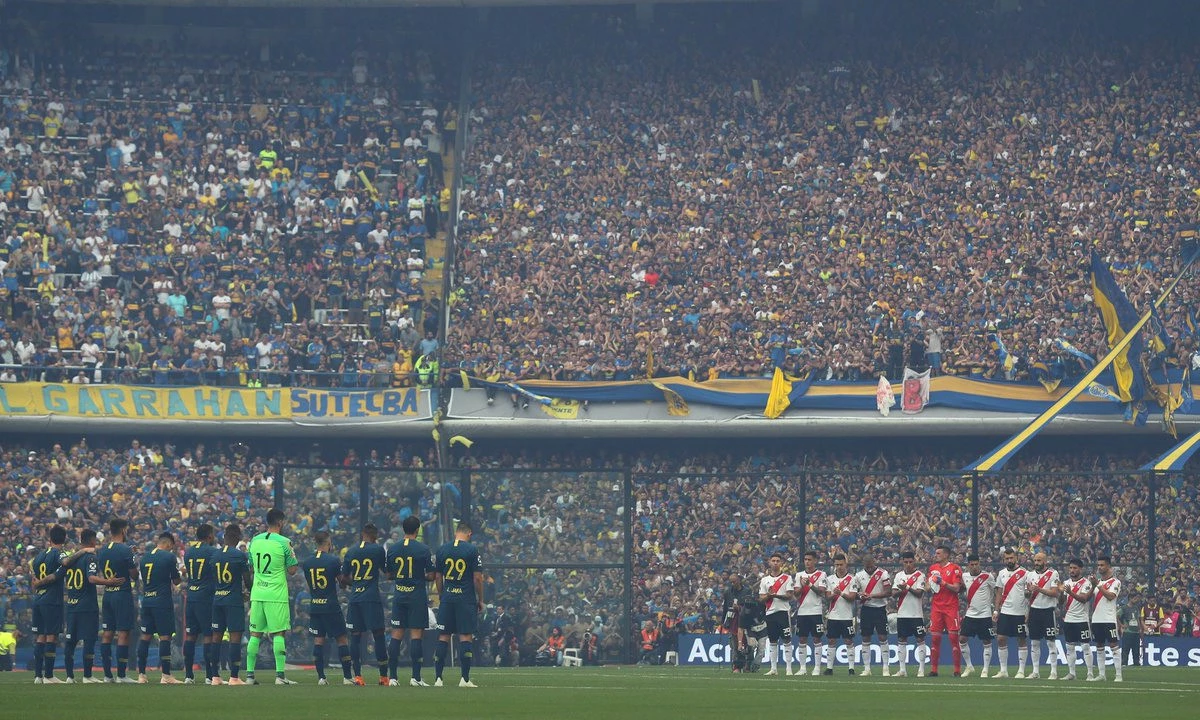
<point x="885" y="398"/>
<point x="785" y="388"/>
<point x="1007" y="361"/>
<point x="998" y="456"/>
<point x="1075" y="352"/>
<point x="915" y="391"/>
<point x="1174" y="459"/>
<point x="1119" y="318"/>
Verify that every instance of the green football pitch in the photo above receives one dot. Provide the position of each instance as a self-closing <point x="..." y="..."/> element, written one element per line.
<point x="618" y="692"/>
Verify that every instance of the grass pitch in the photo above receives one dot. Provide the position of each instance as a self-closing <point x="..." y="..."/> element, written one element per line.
<point x="618" y="692"/>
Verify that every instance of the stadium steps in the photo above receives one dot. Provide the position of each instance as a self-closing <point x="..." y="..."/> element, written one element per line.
<point x="435" y="248"/>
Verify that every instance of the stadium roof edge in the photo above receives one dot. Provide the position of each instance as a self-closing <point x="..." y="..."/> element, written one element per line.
<point x="280" y="4"/>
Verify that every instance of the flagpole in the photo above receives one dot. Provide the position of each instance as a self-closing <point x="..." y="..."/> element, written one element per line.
<point x="1005" y="450"/>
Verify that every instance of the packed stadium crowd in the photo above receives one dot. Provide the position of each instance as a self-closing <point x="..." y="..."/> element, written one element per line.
<point x="221" y="218"/>
<point x="835" y="203"/>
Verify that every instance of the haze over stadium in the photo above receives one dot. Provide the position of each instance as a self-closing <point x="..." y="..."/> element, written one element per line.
<point x="362" y="263"/>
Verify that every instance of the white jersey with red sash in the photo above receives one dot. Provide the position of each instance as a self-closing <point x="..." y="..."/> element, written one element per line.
<point x="1103" y="609"/>
<point x="1013" y="598"/>
<point x="981" y="590"/>
<point x="1045" y="579"/>
<point x="1076" y="611"/>
<point x="776" y="585"/>
<point x="840" y="608"/>
<point x="907" y="604"/>
<point x="873" y="582"/>
<point x="808" y="601"/>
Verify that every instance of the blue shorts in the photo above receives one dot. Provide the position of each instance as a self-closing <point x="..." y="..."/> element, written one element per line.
<point x="158" y="621"/>
<point x="117" y="612"/>
<point x="456" y="618"/>
<point x="83" y="627"/>
<point x="228" y="618"/>
<point x="364" y="617"/>
<point x="410" y="612"/>
<point x="329" y="624"/>
<point x="198" y="620"/>
<point x="47" y="619"/>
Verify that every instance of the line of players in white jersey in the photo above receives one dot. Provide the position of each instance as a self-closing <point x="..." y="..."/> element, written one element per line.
<point x="976" y="604"/>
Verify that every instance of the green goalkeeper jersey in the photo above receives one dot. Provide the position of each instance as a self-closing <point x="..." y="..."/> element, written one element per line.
<point x="270" y="557"/>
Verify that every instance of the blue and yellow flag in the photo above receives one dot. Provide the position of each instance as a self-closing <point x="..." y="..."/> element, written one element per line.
<point x="1119" y="316"/>
<point x="780" y="397"/>
<point x="785" y="388"/>
<point x="676" y="405"/>
<point x="1047" y="375"/>
<point x="1007" y="361"/>
<point x="1075" y="352"/>
<point x="1175" y="458"/>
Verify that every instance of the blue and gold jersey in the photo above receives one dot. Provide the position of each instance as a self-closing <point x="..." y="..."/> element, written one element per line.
<point x="362" y="566"/>
<point x="48" y="563"/>
<point x="81" y="592"/>
<point x="456" y="563"/>
<point x="160" y="570"/>
<point x="201" y="573"/>
<point x="409" y="561"/>
<point x="116" y="561"/>
<point x="230" y="566"/>
<point x="321" y="573"/>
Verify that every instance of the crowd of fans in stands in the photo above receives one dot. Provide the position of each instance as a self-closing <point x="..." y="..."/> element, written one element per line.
<point x="206" y="218"/>
<point x="733" y="199"/>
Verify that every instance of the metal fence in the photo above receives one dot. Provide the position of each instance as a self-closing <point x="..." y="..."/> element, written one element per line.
<point x="605" y="551"/>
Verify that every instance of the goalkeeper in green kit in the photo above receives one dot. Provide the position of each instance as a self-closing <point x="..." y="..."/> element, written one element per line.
<point x="272" y="561"/>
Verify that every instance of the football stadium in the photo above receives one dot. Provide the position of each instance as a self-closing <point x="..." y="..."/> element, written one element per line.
<point x="490" y="358"/>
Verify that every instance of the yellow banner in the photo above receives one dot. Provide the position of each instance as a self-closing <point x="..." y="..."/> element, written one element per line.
<point x="33" y="399"/>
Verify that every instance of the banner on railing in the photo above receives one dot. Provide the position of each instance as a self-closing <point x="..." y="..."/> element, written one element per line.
<point x="713" y="649"/>
<point x="297" y="405"/>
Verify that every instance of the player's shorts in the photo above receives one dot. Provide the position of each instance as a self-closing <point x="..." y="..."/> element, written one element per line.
<point x="1011" y="626"/>
<point x="978" y="628"/>
<point x="83" y="627"/>
<point x="269" y="616"/>
<point x="810" y="626"/>
<point x="943" y="620"/>
<point x="327" y="624"/>
<point x="1105" y="633"/>
<point x="198" y="620"/>
<point x="1077" y="632"/>
<point x="872" y="621"/>
<point x="457" y="618"/>
<point x="228" y="618"/>
<point x="47" y="619"/>
<point x="910" y="628"/>
<point x="1041" y="624"/>
<point x="364" y="617"/>
<point x="410" y="613"/>
<point x="839" y="629"/>
<point x="158" y="620"/>
<point x="779" y="628"/>
<point x="756" y="627"/>
<point x="116" y="612"/>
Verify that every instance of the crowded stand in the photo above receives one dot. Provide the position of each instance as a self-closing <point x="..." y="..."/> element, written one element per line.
<point x="220" y="217"/>
<point x="730" y="205"/>
<point x="698" y="518"/>
<point x="735" y="194"/>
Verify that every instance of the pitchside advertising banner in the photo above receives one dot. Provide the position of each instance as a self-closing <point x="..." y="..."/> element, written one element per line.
<point x="714" y="650"/>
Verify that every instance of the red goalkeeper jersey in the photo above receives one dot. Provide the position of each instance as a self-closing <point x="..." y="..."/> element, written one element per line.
<point x="946" y="600"/>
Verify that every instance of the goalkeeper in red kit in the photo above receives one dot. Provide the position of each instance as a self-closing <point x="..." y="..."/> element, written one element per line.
<point x="945" y="584"/>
